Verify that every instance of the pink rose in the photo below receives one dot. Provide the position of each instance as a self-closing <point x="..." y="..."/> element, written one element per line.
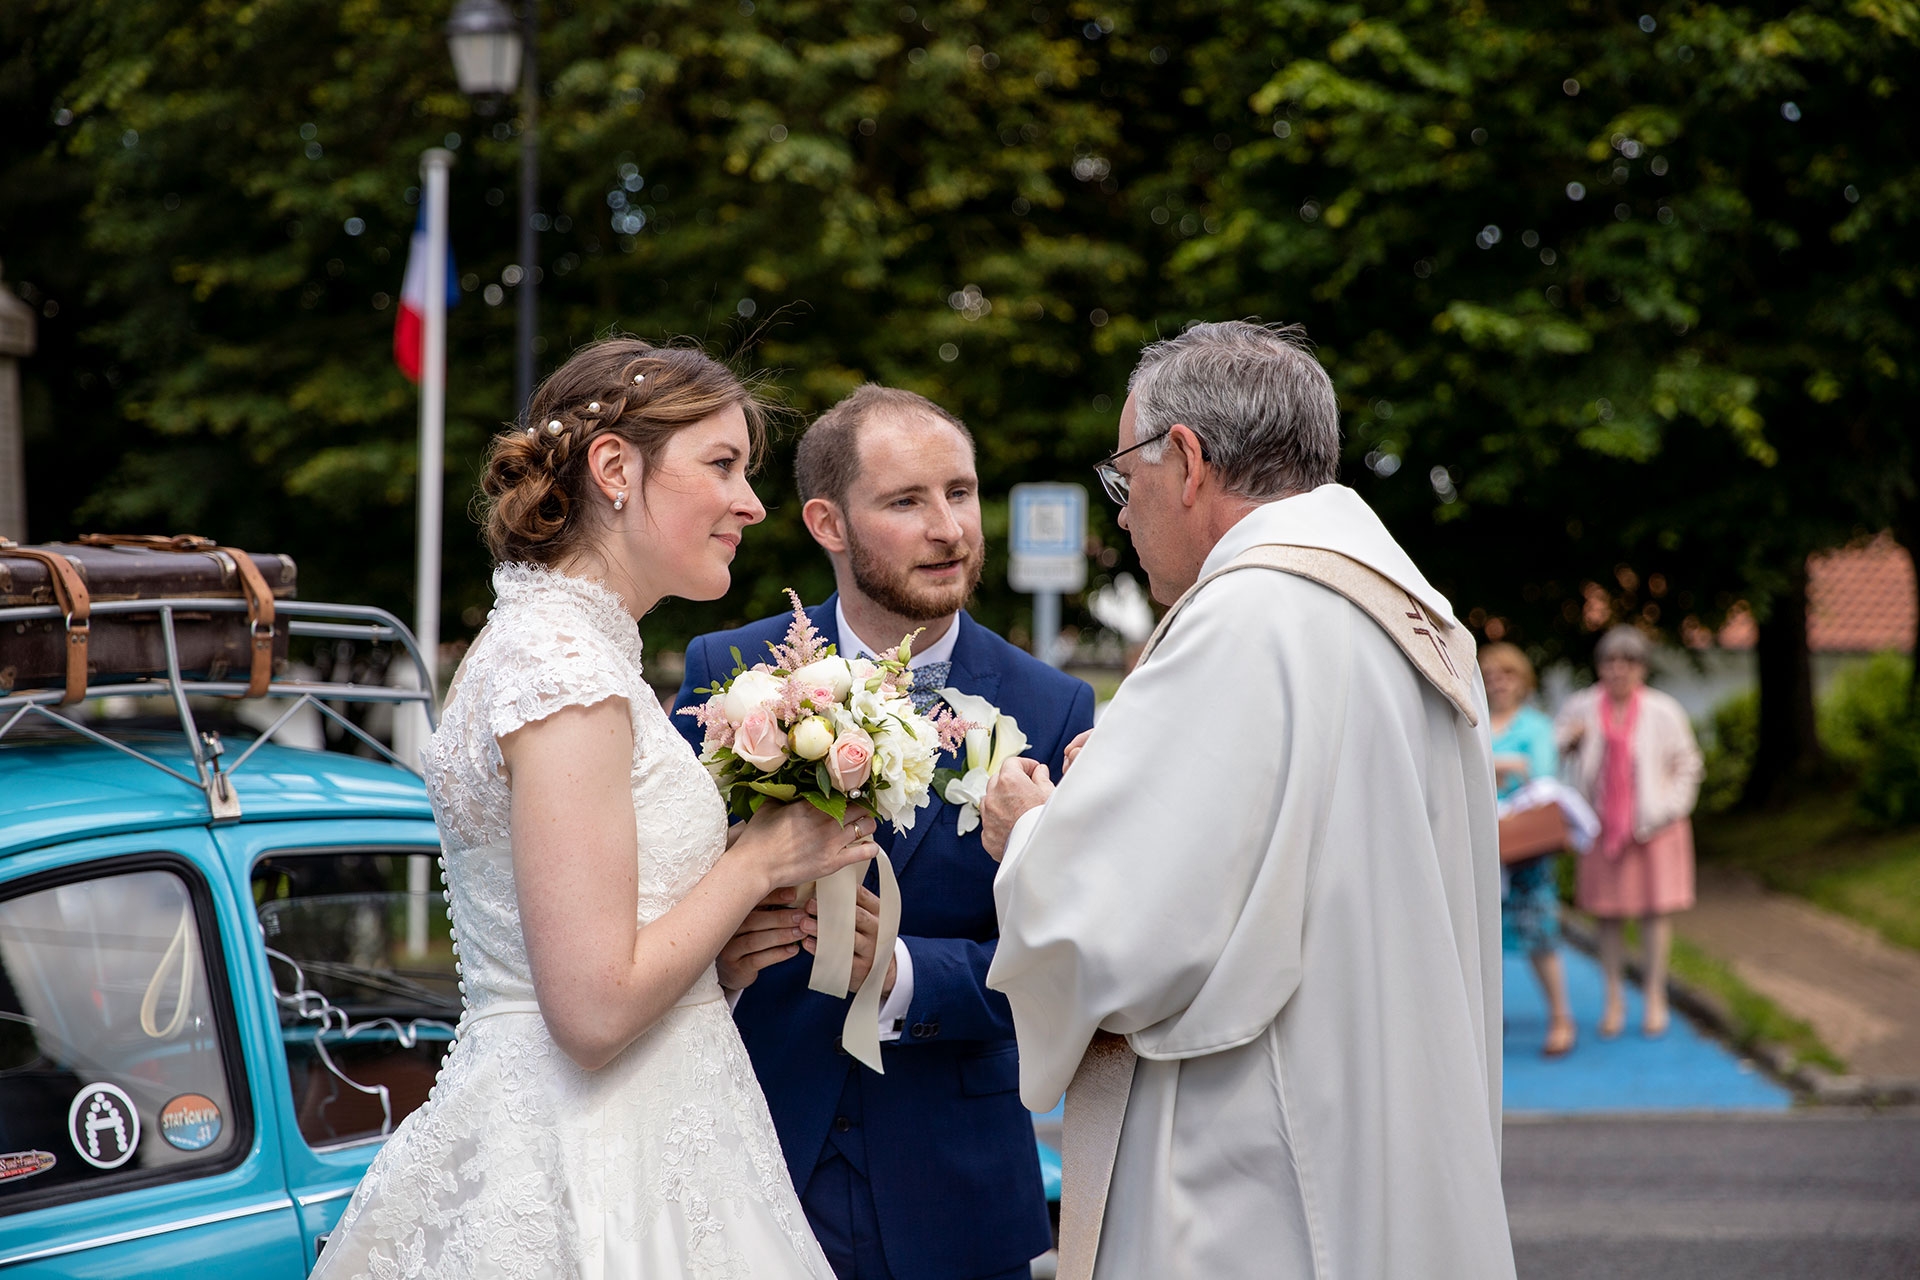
<point x="760" y="741"/>
<point x="818" y="696"/>
<point x="850" y="762"/>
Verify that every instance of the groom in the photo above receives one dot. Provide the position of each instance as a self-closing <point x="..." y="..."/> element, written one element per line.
<point x="928" y="1172"/>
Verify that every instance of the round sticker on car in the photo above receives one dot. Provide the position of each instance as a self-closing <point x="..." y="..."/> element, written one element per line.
<point x="190" y="1122"/>
<point x="104" y="1126"/>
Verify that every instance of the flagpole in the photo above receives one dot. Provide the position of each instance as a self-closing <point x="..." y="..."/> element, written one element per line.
<point x="410" y="728"/>
<point x="434" y="164"/>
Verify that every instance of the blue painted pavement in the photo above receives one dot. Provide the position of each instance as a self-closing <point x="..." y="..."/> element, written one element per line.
<point x="1683" y="1070"/>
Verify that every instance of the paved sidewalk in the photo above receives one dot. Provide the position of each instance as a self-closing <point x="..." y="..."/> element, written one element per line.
<point x="1860" y="993"/>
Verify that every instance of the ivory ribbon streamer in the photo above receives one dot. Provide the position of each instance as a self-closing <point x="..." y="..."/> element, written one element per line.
<point x="833" y="955"/>
<point x="860" y="1033"/>
<point x="833" y="945"/>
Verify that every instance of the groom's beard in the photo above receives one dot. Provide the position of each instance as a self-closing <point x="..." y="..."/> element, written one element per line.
<point x="895" y="590"/>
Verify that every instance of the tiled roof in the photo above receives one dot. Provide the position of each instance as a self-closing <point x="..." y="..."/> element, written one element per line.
<point x="1860" y="599"/>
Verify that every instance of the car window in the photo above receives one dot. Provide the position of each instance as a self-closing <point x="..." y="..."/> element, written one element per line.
<point x="364" y="979"/>
<point x="115" y="1039"/>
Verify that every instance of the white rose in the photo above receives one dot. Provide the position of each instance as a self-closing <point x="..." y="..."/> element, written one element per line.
<point x="830" y="673"/>
<point x="812" y="738"/>
<point x="750" y="689"/>
<point x="894" y="807"/>
<point x="904" y="760"/>
<point x="868" y="707"/>
<point x="862" y="670"/>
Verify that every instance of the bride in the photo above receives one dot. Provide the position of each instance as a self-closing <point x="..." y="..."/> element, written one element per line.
<point x="596" y="1116"/>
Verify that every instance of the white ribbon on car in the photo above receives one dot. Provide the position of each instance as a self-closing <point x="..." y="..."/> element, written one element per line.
<point x="833" y="952"/>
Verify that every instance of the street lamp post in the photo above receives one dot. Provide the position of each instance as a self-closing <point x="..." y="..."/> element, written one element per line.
<point x="529" y="191"/>
<point x="490" y="53"/>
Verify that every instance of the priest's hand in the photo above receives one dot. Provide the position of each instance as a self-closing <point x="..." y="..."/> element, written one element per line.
<point x="772" y="932"/>
<point x="1020" y="785"/>
<point x="1074" y="749"/>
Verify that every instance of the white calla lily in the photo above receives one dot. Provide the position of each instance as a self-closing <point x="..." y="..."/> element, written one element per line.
<point x="1008" y="742"/>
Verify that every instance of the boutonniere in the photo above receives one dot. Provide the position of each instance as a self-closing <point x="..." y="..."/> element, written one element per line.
<point x="993" y="738"/>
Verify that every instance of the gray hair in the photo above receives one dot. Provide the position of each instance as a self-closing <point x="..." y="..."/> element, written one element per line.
<point x="1623" y="642"/>
<point x="1254" y="394"/>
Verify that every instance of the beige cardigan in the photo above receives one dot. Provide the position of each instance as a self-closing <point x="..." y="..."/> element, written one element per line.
<point x="1666" y="758"/>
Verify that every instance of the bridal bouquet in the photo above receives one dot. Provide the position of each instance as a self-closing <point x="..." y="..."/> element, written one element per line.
<point x="811" y="725"/>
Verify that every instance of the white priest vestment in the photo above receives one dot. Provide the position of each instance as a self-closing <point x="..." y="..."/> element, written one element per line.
<point x="1274" y="870"/>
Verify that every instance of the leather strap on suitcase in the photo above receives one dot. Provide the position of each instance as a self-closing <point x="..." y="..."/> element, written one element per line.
<point x="71" y="592"/>
<point x="259" y="595"/>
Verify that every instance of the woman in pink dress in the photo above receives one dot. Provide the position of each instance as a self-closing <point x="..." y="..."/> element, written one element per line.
<point x="1630" y="751"/>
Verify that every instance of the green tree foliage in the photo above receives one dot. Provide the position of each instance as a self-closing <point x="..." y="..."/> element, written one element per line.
<point x="1608" y="298"/>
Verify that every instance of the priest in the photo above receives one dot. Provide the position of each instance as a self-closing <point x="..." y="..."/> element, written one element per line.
<point x="1256" y="928"/>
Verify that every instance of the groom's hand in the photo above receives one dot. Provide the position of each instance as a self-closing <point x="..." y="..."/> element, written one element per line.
<point x="772" y="932"/>
<point x="1020" y="785"/>
<point x="866" y="937"/>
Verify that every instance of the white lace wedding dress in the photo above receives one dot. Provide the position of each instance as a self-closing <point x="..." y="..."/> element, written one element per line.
<point x="663" y="1163"/>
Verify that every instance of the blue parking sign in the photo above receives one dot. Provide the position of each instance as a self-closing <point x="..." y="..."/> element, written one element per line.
<point x="1048" y="538"/>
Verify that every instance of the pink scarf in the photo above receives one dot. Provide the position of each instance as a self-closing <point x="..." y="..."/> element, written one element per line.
<point x="1616" y="776"/>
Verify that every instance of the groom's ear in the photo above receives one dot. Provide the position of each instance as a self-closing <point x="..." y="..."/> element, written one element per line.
<point x="827" y="523"/>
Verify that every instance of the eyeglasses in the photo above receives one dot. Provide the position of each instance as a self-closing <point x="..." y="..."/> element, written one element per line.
<point x="1117" y="483"/>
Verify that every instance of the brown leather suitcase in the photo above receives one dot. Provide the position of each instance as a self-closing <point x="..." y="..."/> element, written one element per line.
<point x="84" y="647"/>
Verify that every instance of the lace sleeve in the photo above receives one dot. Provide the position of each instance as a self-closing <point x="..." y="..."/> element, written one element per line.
<point x="531" y="676"/>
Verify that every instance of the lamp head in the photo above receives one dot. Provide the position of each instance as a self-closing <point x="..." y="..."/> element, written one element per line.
<point x="484" y="40"/>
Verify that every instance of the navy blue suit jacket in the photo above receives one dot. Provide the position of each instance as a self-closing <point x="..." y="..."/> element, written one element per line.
<point x="949" y="1148"/>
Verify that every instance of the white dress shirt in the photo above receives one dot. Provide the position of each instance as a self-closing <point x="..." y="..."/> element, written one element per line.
<point x="893" y="1010"/>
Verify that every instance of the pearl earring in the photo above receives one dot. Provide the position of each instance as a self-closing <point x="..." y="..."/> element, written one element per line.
<point x="620" y="501"/>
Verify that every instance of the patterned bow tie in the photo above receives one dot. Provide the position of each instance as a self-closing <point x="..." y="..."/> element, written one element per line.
<point x="928" y="680"/>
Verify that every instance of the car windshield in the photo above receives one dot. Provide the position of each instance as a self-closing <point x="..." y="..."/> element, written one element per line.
<point x="364" y="978"/>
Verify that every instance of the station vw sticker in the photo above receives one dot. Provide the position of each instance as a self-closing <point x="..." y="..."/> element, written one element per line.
<point x="190" y="1122"/>
<point x="104" y="1126"/>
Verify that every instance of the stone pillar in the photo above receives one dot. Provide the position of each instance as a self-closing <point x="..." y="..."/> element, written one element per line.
<point x="16" y="340"/>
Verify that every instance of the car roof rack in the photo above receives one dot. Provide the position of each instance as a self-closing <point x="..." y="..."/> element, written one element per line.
<point x="212" y="779"/>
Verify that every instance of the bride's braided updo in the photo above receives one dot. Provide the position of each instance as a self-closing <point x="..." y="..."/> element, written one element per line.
<point x="537" y="498"/>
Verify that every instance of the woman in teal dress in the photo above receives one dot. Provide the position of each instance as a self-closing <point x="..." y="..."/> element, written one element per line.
<point x="1524" y="750"/>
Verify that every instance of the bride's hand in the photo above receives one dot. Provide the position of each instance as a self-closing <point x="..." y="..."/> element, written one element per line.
<point x="790" y="844"/>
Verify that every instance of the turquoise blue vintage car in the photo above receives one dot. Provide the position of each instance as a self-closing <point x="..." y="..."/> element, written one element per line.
<point x="225" y="973"/>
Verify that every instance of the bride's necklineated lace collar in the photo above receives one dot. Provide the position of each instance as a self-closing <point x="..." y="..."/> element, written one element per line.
<point x="519" y="582"/>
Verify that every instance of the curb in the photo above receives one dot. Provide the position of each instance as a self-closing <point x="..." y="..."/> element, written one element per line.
<point x="1814" y="1084"/>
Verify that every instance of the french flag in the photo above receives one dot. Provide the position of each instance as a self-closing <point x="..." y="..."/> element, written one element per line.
<point x="410" y="325"/>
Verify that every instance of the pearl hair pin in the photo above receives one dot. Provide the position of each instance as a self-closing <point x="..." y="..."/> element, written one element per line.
<point x="594" y="407"/>
<point x="554" y="428"/>
<point x="639" y="377"/>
